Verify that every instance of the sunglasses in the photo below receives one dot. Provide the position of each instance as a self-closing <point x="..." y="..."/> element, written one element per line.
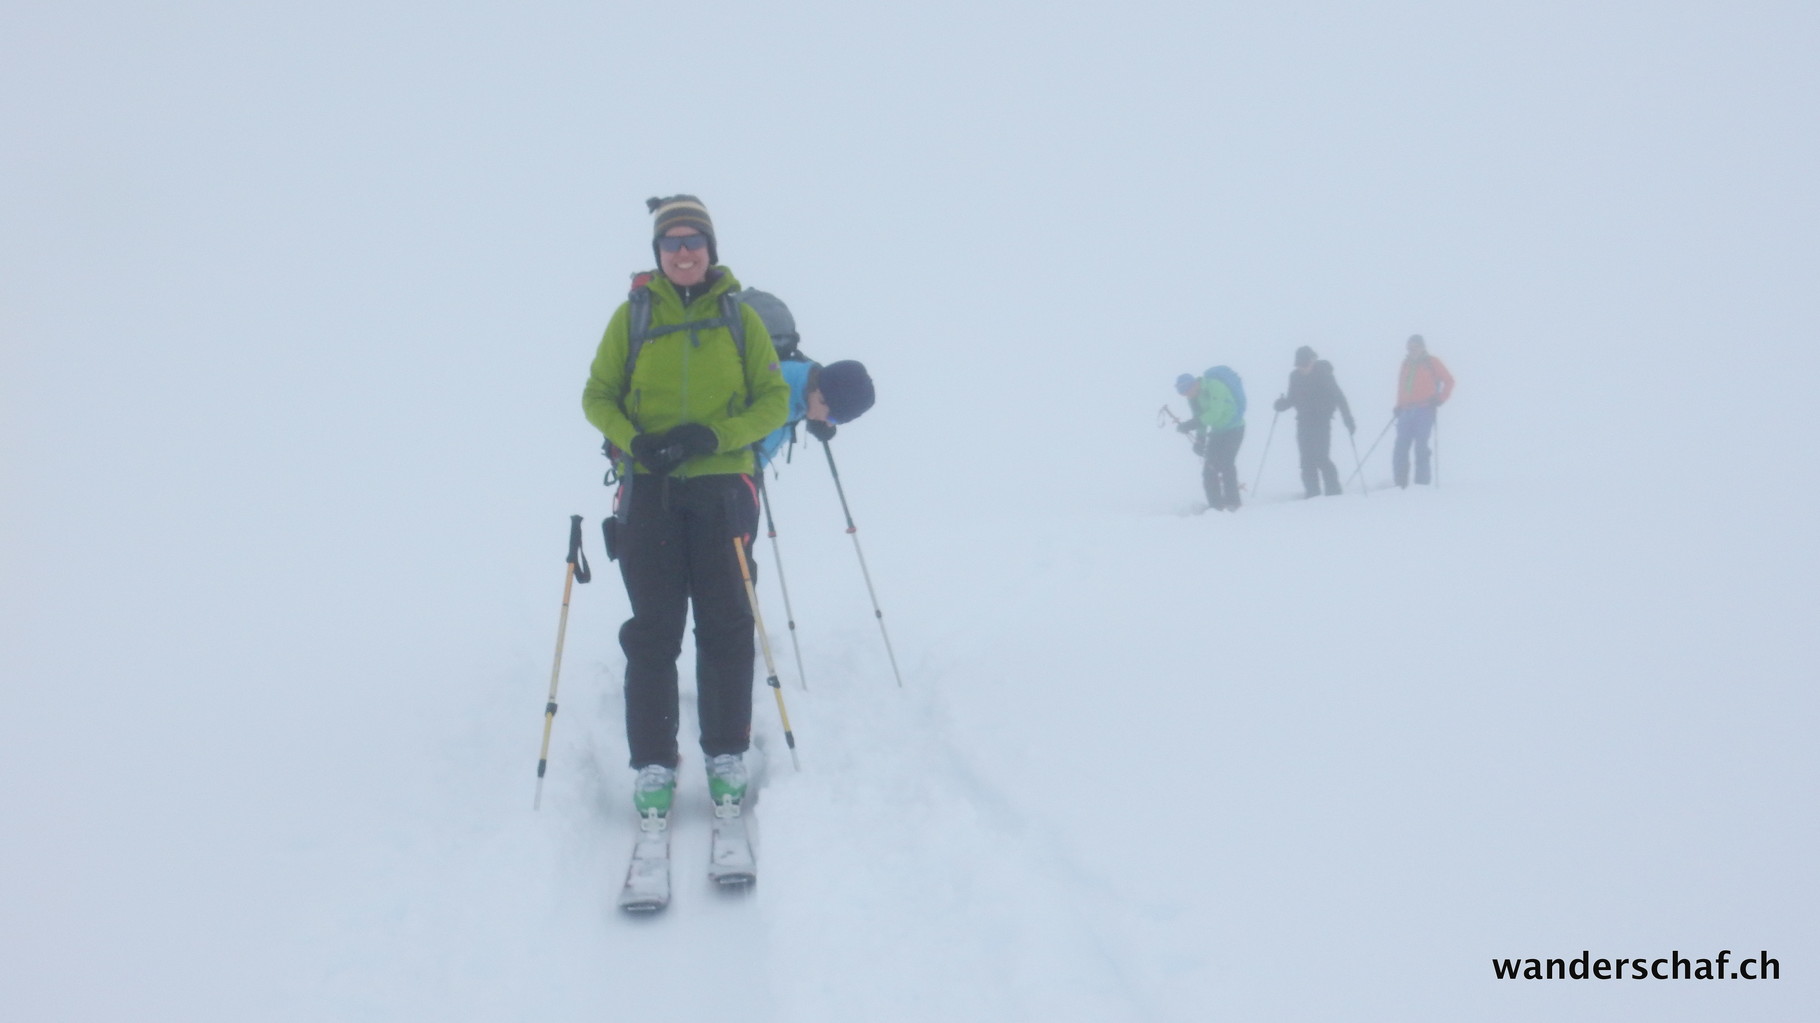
<point x="692" y="242"/>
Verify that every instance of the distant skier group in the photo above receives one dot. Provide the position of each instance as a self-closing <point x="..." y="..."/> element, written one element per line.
<point x="1216" y="421"/>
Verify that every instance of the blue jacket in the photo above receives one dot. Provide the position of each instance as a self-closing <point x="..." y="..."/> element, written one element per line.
<point x="796" y="374"/>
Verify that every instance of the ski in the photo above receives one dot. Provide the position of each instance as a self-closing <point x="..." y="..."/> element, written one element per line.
<point x="647" y="887"/>
<point x="730" y="861"/>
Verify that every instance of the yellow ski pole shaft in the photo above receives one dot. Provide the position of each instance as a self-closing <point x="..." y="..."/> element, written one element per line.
<point x="576" y="570"/>
<point x="764" y="642"/>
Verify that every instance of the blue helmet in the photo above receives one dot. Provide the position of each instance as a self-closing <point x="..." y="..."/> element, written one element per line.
<point x="1185" y="383"/>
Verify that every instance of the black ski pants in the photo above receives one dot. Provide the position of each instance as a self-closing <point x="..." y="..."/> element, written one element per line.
<point x="1314" y="437"/>
<point x="1220" y="471"/>
<point x="676" y="550"/>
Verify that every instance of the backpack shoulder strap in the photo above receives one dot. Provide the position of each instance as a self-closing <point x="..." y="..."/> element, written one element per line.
<point x="638" y="328"/>
<point x="733" y="313"/>
<point x="639" y="332"/>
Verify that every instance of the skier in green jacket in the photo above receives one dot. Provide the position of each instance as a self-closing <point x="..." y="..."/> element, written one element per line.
<point x="681" y="404"/>
<point x="1216" y="403"/>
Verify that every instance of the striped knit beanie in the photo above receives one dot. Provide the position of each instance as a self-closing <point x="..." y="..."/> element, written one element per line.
<point x="681" y="211"/>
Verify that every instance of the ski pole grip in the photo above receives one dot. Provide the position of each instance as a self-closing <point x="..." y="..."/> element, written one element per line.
<point x="577" y="557"/>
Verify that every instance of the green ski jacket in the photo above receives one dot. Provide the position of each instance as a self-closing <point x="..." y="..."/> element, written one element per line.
<point x="688" y="376"/>
<point x="1214" y="407"/>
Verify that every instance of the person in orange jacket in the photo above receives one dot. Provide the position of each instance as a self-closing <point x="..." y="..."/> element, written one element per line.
<point x="1423" y="384"/>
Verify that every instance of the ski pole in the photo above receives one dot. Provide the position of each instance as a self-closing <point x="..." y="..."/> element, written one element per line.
<point x="1258" y="480"/>
<point x="764" y="642"/>
<point x="777" y="556"/>
<point x="576" y="570"/>
<point x="1179" y="422"/>
<point x="853" y="531"/>
<point x="1360" y="471"/>
<point x="1374" y="447"/>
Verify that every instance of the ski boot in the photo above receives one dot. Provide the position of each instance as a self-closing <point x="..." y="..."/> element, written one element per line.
<point x="727" y="783"/>
<point x="652" y="795"/>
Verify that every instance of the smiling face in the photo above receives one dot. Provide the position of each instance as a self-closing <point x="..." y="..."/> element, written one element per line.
<point x="685" y="267"/>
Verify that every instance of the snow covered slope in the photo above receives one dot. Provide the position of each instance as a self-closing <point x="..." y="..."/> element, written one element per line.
<point x="1312" y="761"/>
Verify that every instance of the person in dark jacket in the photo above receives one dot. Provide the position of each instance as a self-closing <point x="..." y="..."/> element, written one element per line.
<point x="1314" y="394"/>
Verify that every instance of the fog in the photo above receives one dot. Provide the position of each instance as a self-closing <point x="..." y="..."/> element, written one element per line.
<point x="296" y="304"/>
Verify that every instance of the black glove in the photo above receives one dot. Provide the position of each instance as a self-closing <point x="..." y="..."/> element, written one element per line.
<point x="1187" y="427"/>
<point x="655" y="452"/>
<point x="1351" y="427"/>
<point x="1282" y="403"/>
<point x="821" y="431"/>
<point x="1434" y="402"/>
<point x="1200" y="446"/>
<point x="1395" y="412"/>
<point x="694" y="439"/>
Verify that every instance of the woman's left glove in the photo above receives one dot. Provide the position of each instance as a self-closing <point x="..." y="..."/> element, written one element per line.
<point x="694" y="439"/>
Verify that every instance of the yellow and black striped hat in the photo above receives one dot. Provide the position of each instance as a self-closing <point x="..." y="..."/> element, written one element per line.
<point x="681" y="211"/>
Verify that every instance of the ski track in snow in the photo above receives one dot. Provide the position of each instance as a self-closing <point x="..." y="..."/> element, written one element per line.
<point x="890" y="809"/>
<point x="895" y="881"/>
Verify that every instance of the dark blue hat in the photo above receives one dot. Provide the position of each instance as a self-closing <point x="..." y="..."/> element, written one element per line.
<point x="847" y="389"/>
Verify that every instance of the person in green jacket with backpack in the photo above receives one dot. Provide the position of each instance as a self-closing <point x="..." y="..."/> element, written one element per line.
<point x="1216" y="403"/>
<point x="684" y="382"/>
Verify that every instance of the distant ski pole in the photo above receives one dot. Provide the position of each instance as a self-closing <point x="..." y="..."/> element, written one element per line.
<point x="764" y="642"/>
<point x="1179" y="423"/>
<point x="777" y="556"/>
<point x="1360" y="462"/>
<point x="1258" y="480"/>
<point x="574" y="571"/>
<point x="853" y="531"/>
<point x="1374" y="447"/>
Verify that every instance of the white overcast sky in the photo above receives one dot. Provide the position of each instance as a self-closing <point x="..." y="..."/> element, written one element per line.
<point x="231" y="230"/>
